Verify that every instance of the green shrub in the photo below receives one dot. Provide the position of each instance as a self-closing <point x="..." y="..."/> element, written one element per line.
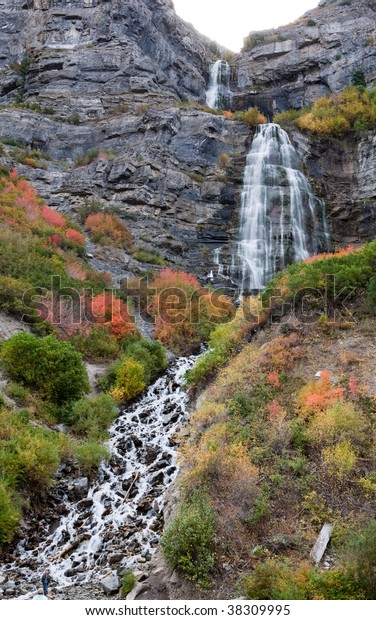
<point x="87" y="158"/>
<point x="16" y="299"/>
<point x="251" y="117"/>
<point x="350" y="269"/>
<point x="90" y="455"/>
<point x="9" y="514"/>
<point x="74" y="119"/>
<point x="144" y="256"/>
<point x="151" y="354"/>
<point x="128" y="583"/>
<point x="30" y="455"/>
<point x="260" y="510"/>
<point x="276" y="580"/>
<point x="92" y="418"/>
<point x="98" y="346"/>
<point x="18" y="393"/>
<point x="51" y="367"/>
<point x="39" y="458"/>
<point x="361" y="556"/>
<point x="254" y="39"/>
<point x="188" y="542"/>
<point x="359" y="79"/>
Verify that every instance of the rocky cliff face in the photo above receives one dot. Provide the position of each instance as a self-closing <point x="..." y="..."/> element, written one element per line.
<point x="343" y="173"/>
<point x="294" y="65"/>
<point x="115" y="76"/>
<point x="164" y="175"/>
<point x="110" y="76"/>
<point x="89" y="56"/>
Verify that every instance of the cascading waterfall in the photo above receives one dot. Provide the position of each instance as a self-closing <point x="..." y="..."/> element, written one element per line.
<point x="219" y="95"/>
<point x="123" y="509"/>
<point x="281" y="220"/>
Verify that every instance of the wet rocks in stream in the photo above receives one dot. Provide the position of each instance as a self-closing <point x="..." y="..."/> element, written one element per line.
<point x="88" y="531"/>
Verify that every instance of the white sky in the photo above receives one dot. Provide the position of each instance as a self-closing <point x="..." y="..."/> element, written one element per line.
<point x="229" y="21"/>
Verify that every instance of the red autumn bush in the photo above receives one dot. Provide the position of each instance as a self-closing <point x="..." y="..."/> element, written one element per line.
<point x="108" y="310"/>
<point x="108" y="229"/>
<point x="53" y="218"/>
<point x="185" y="313"/>
<point x="56" y="239"/>
<point x="318" y="395"/>
<point x="75" y="236"/>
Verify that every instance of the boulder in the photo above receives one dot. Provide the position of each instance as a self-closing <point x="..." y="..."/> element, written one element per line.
<point x="110" y="583"/>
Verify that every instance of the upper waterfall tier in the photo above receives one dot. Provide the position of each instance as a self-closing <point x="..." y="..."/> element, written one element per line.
<point x="281" y="220"/>
<point x="219" y="95"/>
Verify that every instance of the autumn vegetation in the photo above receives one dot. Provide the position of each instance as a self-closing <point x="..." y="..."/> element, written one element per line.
<point x="279" y="449"/>
<point x="350" y="112"/>
<point x="186" y="313"/>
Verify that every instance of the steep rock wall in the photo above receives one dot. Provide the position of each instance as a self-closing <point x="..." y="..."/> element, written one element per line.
<point x="89" y="56"/>
<point x="294" y="65"/>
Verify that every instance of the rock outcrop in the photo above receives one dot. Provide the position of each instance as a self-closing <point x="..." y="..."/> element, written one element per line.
<point x="87" y="57"/>
<point x="316" y="55"/>
<point x="343" y="173"/>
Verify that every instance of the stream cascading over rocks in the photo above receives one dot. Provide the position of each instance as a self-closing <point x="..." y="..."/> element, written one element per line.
<point x="281" y="220"/>
<point x="219" y="95"/>
<point x="123" y="510"/>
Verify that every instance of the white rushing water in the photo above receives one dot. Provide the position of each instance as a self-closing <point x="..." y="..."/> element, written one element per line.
<point x="219" y="95"/>
<point x="123" y="509"/>
<point x="281" y="220"/>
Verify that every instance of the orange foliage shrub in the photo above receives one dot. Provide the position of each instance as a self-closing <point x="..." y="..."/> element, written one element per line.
<point x="343" y="252"/>
<point x="274" y="408"/>
<point x="273" y="379"/>
<point x="75" y="236"/>
<point x="76" y="271"/>
<point x="108" y="310"/>
<point x="107" y="229"/>
<point x="317" y="395"/>
<point x="53" y="218"/>
<point x="353" y="386"/>
<point x="281" y="353"/>
<point x="185" y="313"/>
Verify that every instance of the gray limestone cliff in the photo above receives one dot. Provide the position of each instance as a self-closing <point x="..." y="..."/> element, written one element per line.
<point x="294" y="65"/>
<point x="125" y="78"/>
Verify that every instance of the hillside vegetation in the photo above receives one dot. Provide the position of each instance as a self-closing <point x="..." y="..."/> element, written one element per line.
<point x="284" y="441"/>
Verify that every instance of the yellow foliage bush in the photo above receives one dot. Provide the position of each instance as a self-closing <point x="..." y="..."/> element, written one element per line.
<point x="214" y="459"/>
<point x="129" y="380"/>
<point x="339" y="460"/>
<point x="205" y="416"/>
<point x="351" y="110"/>
<point x="338" y="422"/>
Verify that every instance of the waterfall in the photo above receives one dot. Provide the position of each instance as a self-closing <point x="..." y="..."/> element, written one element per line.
<point x="281" y="220"/>
<point x="123" y="510"/>
<point x="219" y="95"/>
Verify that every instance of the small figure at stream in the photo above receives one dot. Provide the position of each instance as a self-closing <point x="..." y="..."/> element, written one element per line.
<point x="45" y="581"/>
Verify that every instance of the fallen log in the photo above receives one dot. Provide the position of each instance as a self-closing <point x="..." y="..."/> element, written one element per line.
<point x="71" y="547"/>
<point x="321" y="543"/>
